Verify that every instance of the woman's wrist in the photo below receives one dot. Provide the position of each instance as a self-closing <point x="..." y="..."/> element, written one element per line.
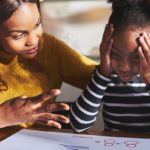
<point x="3" y="119"/>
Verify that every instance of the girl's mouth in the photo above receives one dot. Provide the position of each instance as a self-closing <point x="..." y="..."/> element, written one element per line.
<point x="125" y="78"/>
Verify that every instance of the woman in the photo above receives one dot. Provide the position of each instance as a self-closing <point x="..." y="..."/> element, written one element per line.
<point x="33" y="63"/>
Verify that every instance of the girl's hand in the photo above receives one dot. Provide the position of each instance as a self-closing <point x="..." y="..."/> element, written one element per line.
<point x="144" y="54"/>
<point x="105" y="49"/>
<point x="33" y="109"/>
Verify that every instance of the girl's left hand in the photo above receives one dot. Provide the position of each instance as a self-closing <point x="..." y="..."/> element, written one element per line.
<point x="144" y="54"/>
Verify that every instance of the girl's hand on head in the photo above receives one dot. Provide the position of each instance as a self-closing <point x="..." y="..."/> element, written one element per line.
<point x="105" y="49"/>
<point x="33" y="109"/>
<point x="144" y="54"/>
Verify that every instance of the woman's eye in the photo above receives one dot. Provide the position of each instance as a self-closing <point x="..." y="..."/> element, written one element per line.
<point x="17" y="37"/>
<point x="38" y="24"/>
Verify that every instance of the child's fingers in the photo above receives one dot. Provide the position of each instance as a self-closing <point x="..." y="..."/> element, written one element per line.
<point x="106" y="36"/>
<point x="147" y="39"/>
<point x="109" y="47"/>
<point x="107" y="33"/>
<point x="144" y="66"/>
<point x="145" y="44"/>
<point x="142" y="56"/>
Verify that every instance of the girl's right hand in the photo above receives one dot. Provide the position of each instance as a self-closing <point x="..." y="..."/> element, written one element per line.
<point x="33" y="109"/>
<point x="105" y="49"/>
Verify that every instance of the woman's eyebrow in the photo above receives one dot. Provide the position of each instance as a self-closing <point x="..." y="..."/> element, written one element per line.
<point x="39" y="21"/>
<point x="21" y="31"/>
<point x="24" y="31"/>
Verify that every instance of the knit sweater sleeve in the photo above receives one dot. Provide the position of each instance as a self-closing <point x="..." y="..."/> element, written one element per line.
<point x="84" y="110"/>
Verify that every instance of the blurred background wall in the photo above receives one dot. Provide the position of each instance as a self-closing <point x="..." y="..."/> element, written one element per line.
<point x="80" y="23"/>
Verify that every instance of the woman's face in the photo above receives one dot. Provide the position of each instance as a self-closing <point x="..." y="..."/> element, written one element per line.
<point x="124" y="54"/>
<point x="21" y="33"/>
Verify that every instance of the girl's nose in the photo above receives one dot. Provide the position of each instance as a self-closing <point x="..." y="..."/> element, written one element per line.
<point x="124" y="66"/>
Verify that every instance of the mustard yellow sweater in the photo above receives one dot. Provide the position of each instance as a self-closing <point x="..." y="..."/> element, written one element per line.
<point x="54" y="64"/>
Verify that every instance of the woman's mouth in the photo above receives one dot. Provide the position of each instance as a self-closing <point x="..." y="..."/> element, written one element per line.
<point x="32" y="51"/>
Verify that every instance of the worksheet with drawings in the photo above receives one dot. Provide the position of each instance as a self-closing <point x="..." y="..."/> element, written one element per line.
<point x="41" y="140"/>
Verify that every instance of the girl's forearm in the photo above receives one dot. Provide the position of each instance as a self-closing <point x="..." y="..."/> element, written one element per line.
<point x="84" y="110"/>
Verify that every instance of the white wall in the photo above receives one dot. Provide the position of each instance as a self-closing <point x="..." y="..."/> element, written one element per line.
<point x="81" y="25"/>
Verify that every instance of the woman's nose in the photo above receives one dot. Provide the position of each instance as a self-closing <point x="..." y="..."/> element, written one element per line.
<point x="32" y="40"/>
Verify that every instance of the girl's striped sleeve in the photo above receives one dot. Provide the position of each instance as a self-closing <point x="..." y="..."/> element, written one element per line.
<point x="84" y="110"/>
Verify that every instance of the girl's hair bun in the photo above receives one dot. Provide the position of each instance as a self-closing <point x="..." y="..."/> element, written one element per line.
<point x="118" y="5"/>
<point x="130" y="13"/>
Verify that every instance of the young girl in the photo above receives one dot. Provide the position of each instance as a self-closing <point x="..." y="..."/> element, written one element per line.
<point x="33" y="63"/>
<point x="121" y="82"/>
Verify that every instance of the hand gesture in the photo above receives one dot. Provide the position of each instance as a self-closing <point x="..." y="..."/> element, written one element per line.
<point x="144" y="54"/>
<point x="33" y="109"/>
<point x="105" y="49"/>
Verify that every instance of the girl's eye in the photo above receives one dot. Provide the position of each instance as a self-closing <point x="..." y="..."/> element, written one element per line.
<point x="135" y="60"/>
<point x="115" y="55"/>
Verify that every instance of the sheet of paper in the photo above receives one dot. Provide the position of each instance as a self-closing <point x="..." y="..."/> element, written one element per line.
<point x="40" y="140"/>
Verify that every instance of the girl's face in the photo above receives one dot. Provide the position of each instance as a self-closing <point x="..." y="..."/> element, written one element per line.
<point x="124" y="54"/>
<point x="21" y="33"/>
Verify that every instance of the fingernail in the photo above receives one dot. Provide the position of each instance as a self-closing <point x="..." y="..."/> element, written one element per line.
<point x="141" y="38"/>
<point x="47" y="93"/>
<point x="145" y="35"/>
<point x="23" y="97"/>
<point x="111" y="25"/>
<point x="64" y="120"/>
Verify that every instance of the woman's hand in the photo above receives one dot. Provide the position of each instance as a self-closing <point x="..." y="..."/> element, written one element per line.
<point x="33" y="109"/>
<point x="105" y="49"/>
<point x="144" y="54"/>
